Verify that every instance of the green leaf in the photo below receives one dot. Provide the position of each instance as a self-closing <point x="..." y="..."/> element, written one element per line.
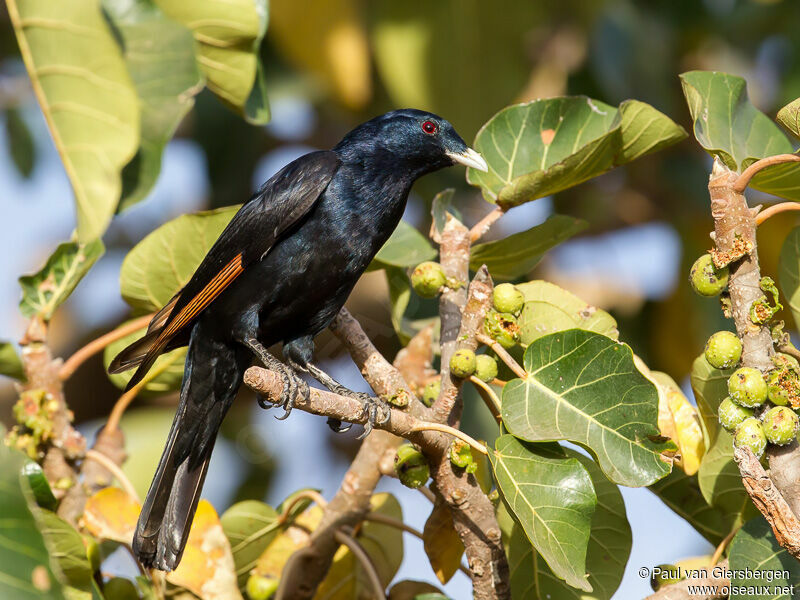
<point x="545" y="146"/>
<point x="710" y="387"/>
<point x="406" y="247"/>
<point x="165" y="375"/>
<point x="250" y="526"/>
<point x="789" y="117"/>
<point x="159" y="54"/>
<point x="552" y="498"/>
<point x="382" y="543"/>
<point x="229" y="36"/>
<point x="67" y="551"/>
<point x="729" y="127"/>
<point x="46" y="289"/>
<point x="682" y="495"/>
<point x="584" y="387"/>
<point x="606" y="554"/>
<point x="25" y="571"/>
<point x="721" y="484"/>
<point x="789" y="272"/>
<point x="441" y="206"/>
<point x="20" y="142"/>
<point x="516" y="255"/>
<point x="163" y="262"/>
<point x="755" y="548"/>
<point x="548" y="309"/>
<point x="87" y="98"/>
<point x="10" y="362"/>
<point x="39" y="485"/>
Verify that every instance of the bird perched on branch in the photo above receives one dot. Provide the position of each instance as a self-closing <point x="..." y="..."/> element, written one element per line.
<point x="279" y="272"/>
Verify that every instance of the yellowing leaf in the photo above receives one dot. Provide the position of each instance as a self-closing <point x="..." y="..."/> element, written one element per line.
<point x="442" y="543"/>
<point x="294" y="537"/>
<point x="206" y="568"/>
<point x="328" y="39"/>
<point x="111" y="514"/>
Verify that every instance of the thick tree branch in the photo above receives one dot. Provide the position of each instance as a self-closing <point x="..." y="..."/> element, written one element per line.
<point x="735" y="240"/>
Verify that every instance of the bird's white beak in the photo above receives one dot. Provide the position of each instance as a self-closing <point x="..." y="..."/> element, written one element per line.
<point x="469" y="158"/>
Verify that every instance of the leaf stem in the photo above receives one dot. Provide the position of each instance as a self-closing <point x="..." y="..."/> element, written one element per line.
<point x="78" y="358"/>
<point x="312" y="495"/>
<point x="481" y="227"/>
<point x="489" y="397"/>
<point x="775" y="209"/>
<point x="721" y="547"/>
<point x="430" y="426"/>
<point x="115" y="470"/>
<point x="125" y="399"/>
<point x="365" y="561"/>
<point x="503" y="354"/>
<point x="741" y="183"/>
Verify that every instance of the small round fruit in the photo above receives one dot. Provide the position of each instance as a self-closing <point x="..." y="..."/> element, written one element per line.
<point x="723" y="350"/>
<point x="747" y="387"/>
<point x="463" y="363"/>
<point x="750" y="434"/>
<point x="411" y="467"/>
<point x="461" y="456"/>
<point x="485" y="367"/>
<point x="665" y="575"/>
<point x="783" y="386"/>
<point x="502" y="328"/>
<point x="731" y="414"/>
<point x="428" y="278"/>
<point x="260" y="587"/>
<point x="705" y="278"/>
<point x="508" y="299"/>
<point x="780" y="425"/>
<point x="431" y="391"/>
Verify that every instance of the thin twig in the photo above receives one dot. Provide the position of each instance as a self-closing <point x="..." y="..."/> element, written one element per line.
<point x="99" y="344"/>
<point x="481" y="227"/>
<point x="115" y="470"/>
<point x="721" y="547"/>
<point x="125" y="399"/>
<point x="424" y="426"/>
<point x="741" y="183"/>
<point x="427" y="493"/>
<point x="775" y="209"/>
<point x="365" y="561"/>
<point x="789" y="349"/>
<point x="503" y="354"/>
<point x="397" y="524"/>
<point x="488" y="396"/>
<point x="312" y="495"/>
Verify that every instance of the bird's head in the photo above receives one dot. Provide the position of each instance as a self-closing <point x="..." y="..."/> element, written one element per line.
<point x="409" y="140"/>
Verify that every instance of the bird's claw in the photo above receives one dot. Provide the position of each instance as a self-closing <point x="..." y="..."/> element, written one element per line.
<point x="376" y="411"/>
<point x="336" y="425"/>
<point x="292" y="386"/>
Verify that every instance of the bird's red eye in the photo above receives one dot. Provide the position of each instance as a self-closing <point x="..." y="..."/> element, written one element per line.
<point x="429" y="127"/>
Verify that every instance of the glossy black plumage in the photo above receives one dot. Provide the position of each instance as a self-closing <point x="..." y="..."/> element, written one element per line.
<point x="279" y="272"/>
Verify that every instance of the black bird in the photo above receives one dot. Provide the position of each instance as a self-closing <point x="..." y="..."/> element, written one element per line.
<point x="279" y="272"/>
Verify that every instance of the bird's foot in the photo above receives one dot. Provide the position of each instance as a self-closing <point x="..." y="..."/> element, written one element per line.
<point x="376" y="410"/>
<point x="293" y="385"/>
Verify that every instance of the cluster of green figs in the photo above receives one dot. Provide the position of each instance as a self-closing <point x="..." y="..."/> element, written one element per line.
<point x="760" y="407"/>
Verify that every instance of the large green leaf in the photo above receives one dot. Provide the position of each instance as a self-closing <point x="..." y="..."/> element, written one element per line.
<point x="584" y="387"/>
<point x="789" y="117"/>
<point x="46" y="289"/>
<point x="517" y="254"/>
<point x="383" y="544"/>
<point x="545" y="146"/>
<point x="67" y="551"/>
<point x="721" y="484"/>
<point x="10" y="362"/>
<point x="710" y="387"/>
<point x="163" y="262"/>
<point x="729" y="127"/>
<point x="606" y="554"/>
<point x="406" y="247"/>
<point x="87" y="98"/>
<point x="549" y="308"/>
<point x="755" y="549"/>
<point x="789" y="272"/>
<point x="25" y="571"/>
<point x="165" y="375"/>
<point x="20" y="142"/>
<point x="159" y="54"/>
<point x="552" y="498"/>
<point x="681" y="493"/>
<point x="250" y="526"/>
<point x="229" y="35"/>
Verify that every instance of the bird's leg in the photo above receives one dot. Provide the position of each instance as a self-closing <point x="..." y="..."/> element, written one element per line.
<point x="372" y="405"/>
<point x="292" y="383"/>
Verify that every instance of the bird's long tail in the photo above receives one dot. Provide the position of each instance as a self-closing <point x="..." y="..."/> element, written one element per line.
<point x="211" y="378"/>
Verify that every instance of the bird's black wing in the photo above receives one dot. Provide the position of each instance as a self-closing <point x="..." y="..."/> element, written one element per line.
<point x="254" y="229"/>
